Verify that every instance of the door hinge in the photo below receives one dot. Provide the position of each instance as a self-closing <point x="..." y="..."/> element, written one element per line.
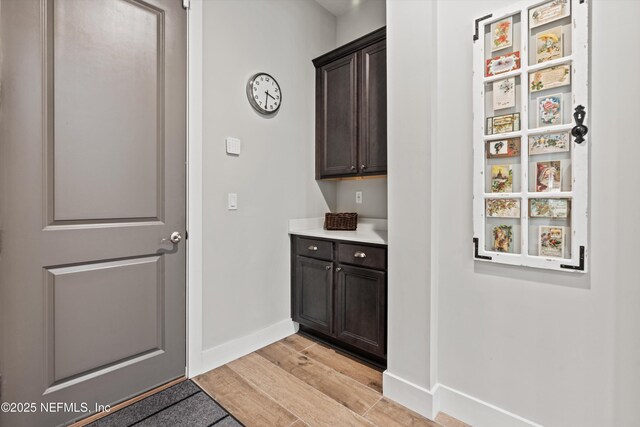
<point x="186" y="4"/>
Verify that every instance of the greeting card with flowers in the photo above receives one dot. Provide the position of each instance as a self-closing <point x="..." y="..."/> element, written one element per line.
<point x="549" y="45"/>
<point x="550" y="110"/>
<point x="551" y="241"/>
<point x="502" y="238"/>
<point x="502" y="34"/>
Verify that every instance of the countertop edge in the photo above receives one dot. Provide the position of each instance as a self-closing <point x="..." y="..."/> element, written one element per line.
<point x="336" y="235"/>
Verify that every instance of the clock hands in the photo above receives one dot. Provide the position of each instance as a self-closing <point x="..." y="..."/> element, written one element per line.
<point x="268" y="94"/>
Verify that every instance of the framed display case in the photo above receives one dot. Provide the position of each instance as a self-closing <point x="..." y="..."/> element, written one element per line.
<point x="530" y="142"/>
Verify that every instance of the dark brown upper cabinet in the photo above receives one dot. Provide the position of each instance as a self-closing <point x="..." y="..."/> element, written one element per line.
<point x="351" y="109"/>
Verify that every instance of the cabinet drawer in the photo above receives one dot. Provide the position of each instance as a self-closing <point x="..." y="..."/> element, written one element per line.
<point x="363" y="256"/>
<point x="314" y="248"/>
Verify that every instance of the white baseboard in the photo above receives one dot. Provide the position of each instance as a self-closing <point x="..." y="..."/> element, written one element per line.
<point x="474" y="411"/>
<point x="406" y="393"/>
<point x="234" y="349"/>
<point x="441" y="398"/>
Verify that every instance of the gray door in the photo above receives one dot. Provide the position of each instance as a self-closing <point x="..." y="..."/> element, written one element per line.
<point x="92" y="152"/>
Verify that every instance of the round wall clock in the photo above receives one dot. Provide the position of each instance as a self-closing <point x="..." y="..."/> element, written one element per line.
<point x="264" y="93"/>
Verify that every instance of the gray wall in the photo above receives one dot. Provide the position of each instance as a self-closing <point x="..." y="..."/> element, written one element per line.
<point x="410" y="43"/>
<point x="360" y="20"/>
<point x="246" y="252"/>
<point x="557" y="348"/>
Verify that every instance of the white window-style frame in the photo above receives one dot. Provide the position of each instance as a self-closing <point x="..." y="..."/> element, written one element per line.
<point x="579" y="152"/>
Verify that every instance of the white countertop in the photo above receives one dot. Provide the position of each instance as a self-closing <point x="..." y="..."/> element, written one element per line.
<point x="368" y="231"/>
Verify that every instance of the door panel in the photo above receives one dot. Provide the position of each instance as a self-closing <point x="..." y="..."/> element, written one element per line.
<point x="360" y="308"/>
<point x="314" y="293"/>
<point x="103" y="313"/>
<point x="373" y="111"/>
<point x="107" y="110"/>
<point x="338" y="115"/>
<point x="93" y="125"/>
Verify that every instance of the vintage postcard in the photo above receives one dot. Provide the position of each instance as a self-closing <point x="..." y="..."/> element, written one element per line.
<point x="501" y="179"/>
<point x="549" y="45"/>
<point x="503" y="148"/>
<point x="551" y="241"/>
<point x="501" y="34"/>
<point x="550" y="78"/>
<point x="550" y="110"/>
<point x="549" y="143"/>
<point x="503" y="208"/>
<point x="503" y="124"/>
<point x="548" y="12"/>
<point x="504" y="93"/>
<point x="502" y="64"/>
<point x="502" y="238"/>
<point x="548" y="176"/>
<point x="548" y="208"/>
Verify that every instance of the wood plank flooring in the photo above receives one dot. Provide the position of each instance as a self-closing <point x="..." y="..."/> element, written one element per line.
<point x="297" y="382"/>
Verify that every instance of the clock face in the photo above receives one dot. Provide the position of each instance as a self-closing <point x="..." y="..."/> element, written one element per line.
<point x="264" y="93"/>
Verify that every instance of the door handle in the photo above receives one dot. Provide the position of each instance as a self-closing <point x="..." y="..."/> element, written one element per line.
<point x="175" y="237"/>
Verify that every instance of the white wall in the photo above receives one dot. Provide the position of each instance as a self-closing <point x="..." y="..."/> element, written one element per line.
<point x="246" y="275"/>
<point x="410" y="89"/>
<point x="363" y="18"/>
<point x="557" y="349"/>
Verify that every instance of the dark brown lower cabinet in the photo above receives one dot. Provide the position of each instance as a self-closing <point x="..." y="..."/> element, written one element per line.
<point x="339" y="294"/>
<point x="314" y="293"/>
<point x="361" y="304"/>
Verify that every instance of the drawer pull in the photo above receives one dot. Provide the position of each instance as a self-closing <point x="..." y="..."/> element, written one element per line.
<point x="313" y="248"/>
<point x="360" y="254"/>
<point x="339" y="269"/>
<point x="328" y="267"/>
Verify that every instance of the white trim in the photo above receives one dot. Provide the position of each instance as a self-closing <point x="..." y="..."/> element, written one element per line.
<point x="414" y="397"/>
<point x="441" y="398"/>
<point x="194" y="188"/>
<point x="475" y="411"/>
<point x="234" y="349"/>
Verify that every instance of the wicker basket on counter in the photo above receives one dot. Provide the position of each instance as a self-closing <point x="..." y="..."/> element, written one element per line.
<point x="341" y="221"/>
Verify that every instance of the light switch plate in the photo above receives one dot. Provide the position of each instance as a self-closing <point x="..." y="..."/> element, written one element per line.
<point x="232" y="201"/>
<point x="358" y="197"/>
<point x="233" y="145"/>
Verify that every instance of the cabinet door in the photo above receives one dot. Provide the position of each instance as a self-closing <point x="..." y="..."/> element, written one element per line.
<point x="336" y="118"/>
<point x="314" y="294"/>
<point x="373" y="109"/>
<point x="361" y="308"/>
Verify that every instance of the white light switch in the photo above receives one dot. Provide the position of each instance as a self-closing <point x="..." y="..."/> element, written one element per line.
<point x="358" y="196"/>
<point x="232" y="201"/>
<point x="233" y="145"/>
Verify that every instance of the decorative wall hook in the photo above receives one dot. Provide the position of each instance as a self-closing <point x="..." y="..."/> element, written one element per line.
<point x="580" y="130"/>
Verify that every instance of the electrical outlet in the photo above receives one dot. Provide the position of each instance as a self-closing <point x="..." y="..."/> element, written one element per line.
<point x="358" y="197"/>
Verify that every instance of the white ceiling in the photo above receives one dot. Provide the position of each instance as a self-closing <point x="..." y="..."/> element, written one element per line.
<point x="339" y="7"/>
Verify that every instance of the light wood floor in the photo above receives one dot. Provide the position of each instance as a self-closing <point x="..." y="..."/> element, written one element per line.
<point x="297" y="382"/>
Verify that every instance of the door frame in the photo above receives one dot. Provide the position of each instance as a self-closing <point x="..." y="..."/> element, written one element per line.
<point x="193" y="346"/>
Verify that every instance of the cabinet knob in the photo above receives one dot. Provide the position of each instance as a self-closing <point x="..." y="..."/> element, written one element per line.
<point x="360" y="254"/>
<point x="313" y="248"/>
<point x="363" y="167"/>
<point x="353" y="168"/>
<point x="339" y="269"/>
<point x="328" y="267"/>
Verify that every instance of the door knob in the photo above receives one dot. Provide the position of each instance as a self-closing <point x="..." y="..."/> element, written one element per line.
<point x="175" y="237"/>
